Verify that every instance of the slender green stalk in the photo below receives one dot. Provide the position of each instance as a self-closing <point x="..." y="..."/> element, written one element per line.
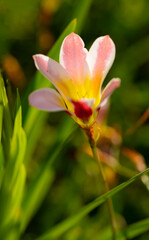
<point x="109" y="201"/>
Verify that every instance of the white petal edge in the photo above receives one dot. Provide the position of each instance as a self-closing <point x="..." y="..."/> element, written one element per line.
<point x="111" y="86"/>
<point x="101" y="56"/>
<point x="108" y="90"/>
<point x="103" y="111"/>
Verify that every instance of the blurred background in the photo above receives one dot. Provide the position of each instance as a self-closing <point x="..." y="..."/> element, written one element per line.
<point x="30" y="27"/>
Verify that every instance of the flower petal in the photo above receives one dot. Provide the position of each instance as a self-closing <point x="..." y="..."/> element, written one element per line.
<point x="53" y="71"/>
<point x="73" y="57"/>
<point x="108" y="90"/>
<point x="47" y="99"/>
<point x="102" y="113"/>
<point x="100" y="58"/>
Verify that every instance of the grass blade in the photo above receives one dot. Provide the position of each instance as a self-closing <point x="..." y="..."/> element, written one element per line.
<point x="130" y="232"/>
<point x="39" y="187"/>
<point x="35" y="194"/>
<point x="1" y="147"/>
<point x="136" y="229"/>
<point x="6" y="121"/>
<point x="81" y="12"/>
<point x="1" y="117"/>
<point x="70" y="222"/>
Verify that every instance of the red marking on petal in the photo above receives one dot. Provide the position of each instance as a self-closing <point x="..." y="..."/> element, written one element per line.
<point x="82" y="110"/>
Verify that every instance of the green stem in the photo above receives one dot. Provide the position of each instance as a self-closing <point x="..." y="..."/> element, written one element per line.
<point x="109" y="201"/>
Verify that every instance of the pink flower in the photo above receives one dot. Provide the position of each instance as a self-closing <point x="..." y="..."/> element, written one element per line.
<point x="77" y="78"/>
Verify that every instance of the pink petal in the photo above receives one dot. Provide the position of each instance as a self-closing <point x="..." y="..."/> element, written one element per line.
<point x="73" y="57"/>
<point x="108" y="90"/>
<point x="100" y="58"/>
<point x="102" y="114"/>
<point x="53" y="71"/>
<point x="47" y="99"/>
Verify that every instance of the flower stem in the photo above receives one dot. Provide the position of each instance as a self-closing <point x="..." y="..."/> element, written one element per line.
<point x="109" y="201"/>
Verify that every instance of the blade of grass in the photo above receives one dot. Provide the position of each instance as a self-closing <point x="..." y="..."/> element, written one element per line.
<point x="17" y="147"/>
<point x="81" y="12"/>
<point x="136" y="229"/>
<point x="14" y="175"/>
<point x="1" y="163"/>
<point x="7" y="120"/>
<point x="1" y="147"/>
<point x="13" y="211"/>
<point x="70" y="222"/>
<point x="6" y="112"/>
<point x="130" y="232"/>
<point x="19" y="139"/>
<point x="17" y="193"/>
<point x="35" y="194"/>
<point x="21" y="150"/>
<point x="40" y="185"/>
<point x="54" y="52"/>
<point x="1" y="118"/>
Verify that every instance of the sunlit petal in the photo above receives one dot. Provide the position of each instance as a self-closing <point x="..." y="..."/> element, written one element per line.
<point x="53" y="71"/>
<point x="78" y="78"/>
<point x="102" y="113"/>
<point x="73" y="57"/>
<point x="108" y="90"/>
<point x="100" y="58"/>
<point x="47" y="99"/>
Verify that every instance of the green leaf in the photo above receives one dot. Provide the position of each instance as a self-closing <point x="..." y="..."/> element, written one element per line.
<point x="41" y="183"/>
<point x="54" y="52"/>
<point x="7" y="120"/>
<point x="1" y="163"/>
<point x="12" y="207"/>
<point x="15" y="212"/>
<point x="18" y="191"/>
<point x="70" y="222"/>
<point x="35" y="194"/>
<point x="18" y="116"/>
<point x="1" y="147"/>
<point x="130" y="232"/>
<point x="14" y="148"/>
<point x="1" y="117"/>
<point x="136" y="229"/>
<point x="7" y="115"/>
<point x="21" y="150"/>
<point x="17" y="147"/>
<point x="81" y="13"/>
<point x="14" y="175"/>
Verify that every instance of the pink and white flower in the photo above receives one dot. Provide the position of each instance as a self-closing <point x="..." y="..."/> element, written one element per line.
<point x="77" y="78"/>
